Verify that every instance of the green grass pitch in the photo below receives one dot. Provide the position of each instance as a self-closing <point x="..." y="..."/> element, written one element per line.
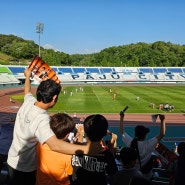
<point x="99" y="99"/>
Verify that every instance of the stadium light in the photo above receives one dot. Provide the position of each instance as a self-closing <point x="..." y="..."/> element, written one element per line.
<point x="39" y="30"/>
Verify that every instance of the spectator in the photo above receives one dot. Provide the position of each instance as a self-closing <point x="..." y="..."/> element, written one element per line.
<point x="152" y="105"/>
<point x="143" y="147"/>
<point x="114" y="96"/>
<point x="172" y="107"/>
<point x="180" y="169"/>
<point x="111" y="143"/>
<point x="53" y="167"/>
<point x="161" y="106"/>
<point x="129" y="174"/>
<point x="31" y="126"/>
<point x="166" y="107"/>
<point x="79" y="135"/>
<point x="89" y="169"/>
<point x="74" y="115"/>
<point x="177" y="166"/>
<point x="11" y="101"/>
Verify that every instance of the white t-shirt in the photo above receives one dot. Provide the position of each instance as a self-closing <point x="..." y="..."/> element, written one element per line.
<point x="31" y="126"/>
<point x="145" y="148"/>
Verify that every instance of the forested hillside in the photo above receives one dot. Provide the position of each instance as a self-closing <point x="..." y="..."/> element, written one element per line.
<point x="15" y="50"/>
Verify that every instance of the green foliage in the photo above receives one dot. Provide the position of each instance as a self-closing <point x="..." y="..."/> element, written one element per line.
<point x="157" y="54"/>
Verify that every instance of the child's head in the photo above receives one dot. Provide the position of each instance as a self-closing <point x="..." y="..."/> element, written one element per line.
<point x="141" y="131"/>
<point x="47" y="90"/>
<point x="95" y="127"/>
<point x="128" y="156"/>
<point x="62" y="124"/>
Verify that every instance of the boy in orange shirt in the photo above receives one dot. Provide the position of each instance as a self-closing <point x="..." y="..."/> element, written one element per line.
<point x="54" y="168"/>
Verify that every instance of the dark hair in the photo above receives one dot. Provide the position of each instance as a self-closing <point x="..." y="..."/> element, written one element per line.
<point x="134" y="145"/>
<point x="181" y="148"/>
<point x="46" y="90"/>
<point x="127" y="155"/>
<point x="141" y="131"/>
<point x="61" y="124"/>
<point x="95" y="127"/>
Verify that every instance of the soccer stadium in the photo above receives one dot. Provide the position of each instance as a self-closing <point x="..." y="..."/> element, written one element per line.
<point x="107" y="90"/>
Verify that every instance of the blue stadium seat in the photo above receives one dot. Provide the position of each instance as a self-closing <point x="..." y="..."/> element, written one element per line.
<point x="16" y="70"/>
<point x="146" y="70"/>
<point x="175" y="70"/>
<point x="65" y="70"/>
<point x="93" y="70"/>
<point x="79" y="70"/>
<point x="55" y="69"/>
<point x="106" y="70"/>
<point x="159" y="70"/>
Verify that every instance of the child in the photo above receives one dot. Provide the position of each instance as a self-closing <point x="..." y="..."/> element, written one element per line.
<point x="93" y="170"/>
<point x="129" y="175"/>
<point x="53" y="167"/>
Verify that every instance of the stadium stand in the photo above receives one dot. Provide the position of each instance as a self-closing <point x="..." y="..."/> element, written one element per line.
<point x="71" y="75"/>
<point x="7" y="78"/>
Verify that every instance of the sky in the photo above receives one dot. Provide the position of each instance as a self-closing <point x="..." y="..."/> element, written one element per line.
<point x="89" y="26"/>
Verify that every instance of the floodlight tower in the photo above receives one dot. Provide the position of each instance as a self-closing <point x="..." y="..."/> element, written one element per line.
<point x="39" y="30"/>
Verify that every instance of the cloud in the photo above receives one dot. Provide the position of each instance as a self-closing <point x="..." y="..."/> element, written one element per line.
<point x="87" y="51"/>
<point x="84" y="51"/>
<point x="49" y="46"/>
